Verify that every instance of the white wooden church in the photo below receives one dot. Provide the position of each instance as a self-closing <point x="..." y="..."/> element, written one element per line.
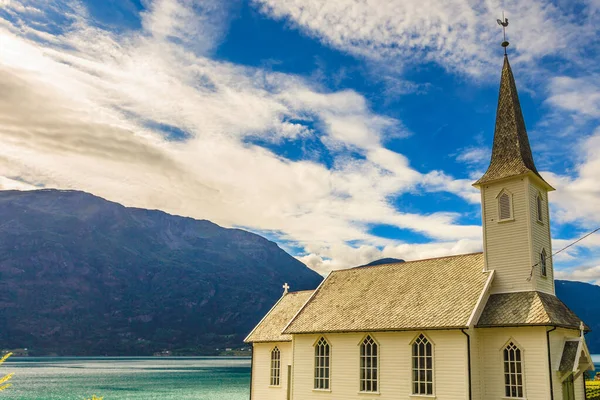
<point x="483" y="326"/>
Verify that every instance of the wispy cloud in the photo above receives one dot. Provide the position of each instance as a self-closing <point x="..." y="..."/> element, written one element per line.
<point x="454" y="34"/>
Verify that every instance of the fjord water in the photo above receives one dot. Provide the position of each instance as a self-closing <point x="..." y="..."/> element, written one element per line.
<point x="132" y="378"/>
<point x="199" y="378"/>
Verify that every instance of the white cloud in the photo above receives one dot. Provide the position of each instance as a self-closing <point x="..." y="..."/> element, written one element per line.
<point x="585" y="274"/>
<point x="455" y="34"/>
<point x="577" y="95"/>
<point x="81" y="110"/>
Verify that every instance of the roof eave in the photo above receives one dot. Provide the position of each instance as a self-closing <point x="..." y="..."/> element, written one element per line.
<point x="481" y="182"/>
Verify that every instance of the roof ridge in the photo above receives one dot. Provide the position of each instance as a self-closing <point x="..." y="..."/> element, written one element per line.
<point x="300" y="291"/>
<point x="409" y="262"/>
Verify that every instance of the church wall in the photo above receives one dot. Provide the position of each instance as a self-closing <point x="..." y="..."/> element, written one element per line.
<point x="261" y="371"/>
<point x="506" y="244"/>
<point x="532" y="342"/>
<point x="540" y="233"/>
<point x="579" y="389"/>
<point x="450" y="365"/>
<point x="476" y="375"/>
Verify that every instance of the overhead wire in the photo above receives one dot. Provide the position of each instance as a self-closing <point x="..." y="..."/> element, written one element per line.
<point x="560" y="251"/>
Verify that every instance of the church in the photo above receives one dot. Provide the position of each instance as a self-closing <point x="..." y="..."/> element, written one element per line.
<point x="482" y="326"/>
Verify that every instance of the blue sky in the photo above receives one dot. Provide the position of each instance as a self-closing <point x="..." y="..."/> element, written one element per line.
<point x="345" y="130"/>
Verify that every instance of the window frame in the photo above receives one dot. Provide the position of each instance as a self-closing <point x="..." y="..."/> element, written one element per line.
<point x="275" y="371"/>
<point x="417" y="393"/>
<point x="326" y="377"/>
<point x="507" y="388"/>
<point x="509" y="195"/>
<point x="539" y="204"/>
<point x="543" y="263"/>
<point x="362" y="356"/>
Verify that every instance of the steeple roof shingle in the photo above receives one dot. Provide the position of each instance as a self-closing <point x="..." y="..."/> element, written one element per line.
<point x="511" y="153"/>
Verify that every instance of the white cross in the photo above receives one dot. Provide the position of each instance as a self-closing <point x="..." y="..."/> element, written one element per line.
<point x="286" y="288"/>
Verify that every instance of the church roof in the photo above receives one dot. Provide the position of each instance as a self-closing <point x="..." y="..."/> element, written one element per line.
<point x="426" y="294"/>
<point x="269" y="329"/>
<point x="527" y="308"/>
<point x="511" y="152"/>
<point x="567" y="361"/>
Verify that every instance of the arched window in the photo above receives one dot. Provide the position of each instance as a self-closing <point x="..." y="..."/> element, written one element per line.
<point x="543" y="264"/>
<point x="513" y="371"/>
<point x="275" y="367"/>
<point x="369" y="353"/>
<point x="504" y="207"/>
<point x="422" y="365"/>
<point x="322" y="364"/>
<point x="538" y="202"/>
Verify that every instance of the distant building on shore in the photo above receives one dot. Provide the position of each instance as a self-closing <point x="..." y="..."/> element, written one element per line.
<point x="17" y="352"/>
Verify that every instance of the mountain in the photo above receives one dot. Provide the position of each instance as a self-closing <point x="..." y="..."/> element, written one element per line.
<point x="80" y="275"/>
<point x="584" y="300"/>
<point x="383" y="261"/>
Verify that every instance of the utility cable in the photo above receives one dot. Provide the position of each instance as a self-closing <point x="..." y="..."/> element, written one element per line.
<point x="560" y="251"/>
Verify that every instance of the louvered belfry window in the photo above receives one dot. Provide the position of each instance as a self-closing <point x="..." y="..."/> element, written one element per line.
<point x="275" y="367"/>
<point x="322" y="364"/>
<point x="540" y="215"/>
<point x="513" y="371"/>
<point x="504" y="206"/>
<point x="369" y="353"/>
<point x="422" y="366"/>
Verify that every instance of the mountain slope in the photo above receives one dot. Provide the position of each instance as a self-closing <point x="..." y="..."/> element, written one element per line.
<point x="584" y="300"/>
<point x="80" y="275"/>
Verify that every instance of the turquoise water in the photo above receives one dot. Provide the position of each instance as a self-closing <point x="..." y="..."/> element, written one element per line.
<point x="128" y="378"/>
<point x="133" y="378"/>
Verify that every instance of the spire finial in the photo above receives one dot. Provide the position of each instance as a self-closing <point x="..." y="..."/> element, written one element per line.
<point x="286" y="288"/>
<point x="504" y="23"/>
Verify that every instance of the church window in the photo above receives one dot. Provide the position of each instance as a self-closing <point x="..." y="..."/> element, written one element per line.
<point x="504" y="207"/>
<point x="275" y="367"/>
<point x="322" y="364"/>
<point x="369" y="353"/>
<point x="513" y="371"/>
<point x="538" y="201"/>
<point x="543" y="264"/>
<point x="422" y="366"/>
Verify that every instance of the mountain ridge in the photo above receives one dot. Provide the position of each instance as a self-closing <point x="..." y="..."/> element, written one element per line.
<point x="80" y="275"/>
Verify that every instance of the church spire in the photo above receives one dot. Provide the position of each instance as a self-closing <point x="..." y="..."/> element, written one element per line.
<point x="511" y="153"/>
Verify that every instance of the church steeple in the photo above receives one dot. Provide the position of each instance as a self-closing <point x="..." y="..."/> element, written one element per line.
<point x="511" y="153"/>
<point x="514" y="202"/>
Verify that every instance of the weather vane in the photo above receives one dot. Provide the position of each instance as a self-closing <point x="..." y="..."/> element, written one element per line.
<point x="504" y="23"/>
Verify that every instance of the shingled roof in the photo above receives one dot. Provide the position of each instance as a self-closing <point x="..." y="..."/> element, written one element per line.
<point x="526" y="309"/>
<point x="511" y="153"/>
<point x="426" y="294"/>
<point x="269" y="329"/>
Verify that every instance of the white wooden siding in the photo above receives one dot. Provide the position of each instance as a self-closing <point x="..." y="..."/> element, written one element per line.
<point x="450" y="366"/>
<point x="532" y="342"/>
<point x="540" y="233"/>
<point x="507" y="244"/>
<point x="261" y="371"/>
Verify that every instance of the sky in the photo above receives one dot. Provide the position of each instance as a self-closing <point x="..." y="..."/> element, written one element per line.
<point x="344" y="130"/>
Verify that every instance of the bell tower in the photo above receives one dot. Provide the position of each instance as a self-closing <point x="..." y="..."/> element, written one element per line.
<point x="514" y="200"/>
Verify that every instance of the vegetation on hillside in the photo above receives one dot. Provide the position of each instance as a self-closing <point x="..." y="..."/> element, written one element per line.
<point x="592" y="389"/>
<point x="4" y="380"/>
